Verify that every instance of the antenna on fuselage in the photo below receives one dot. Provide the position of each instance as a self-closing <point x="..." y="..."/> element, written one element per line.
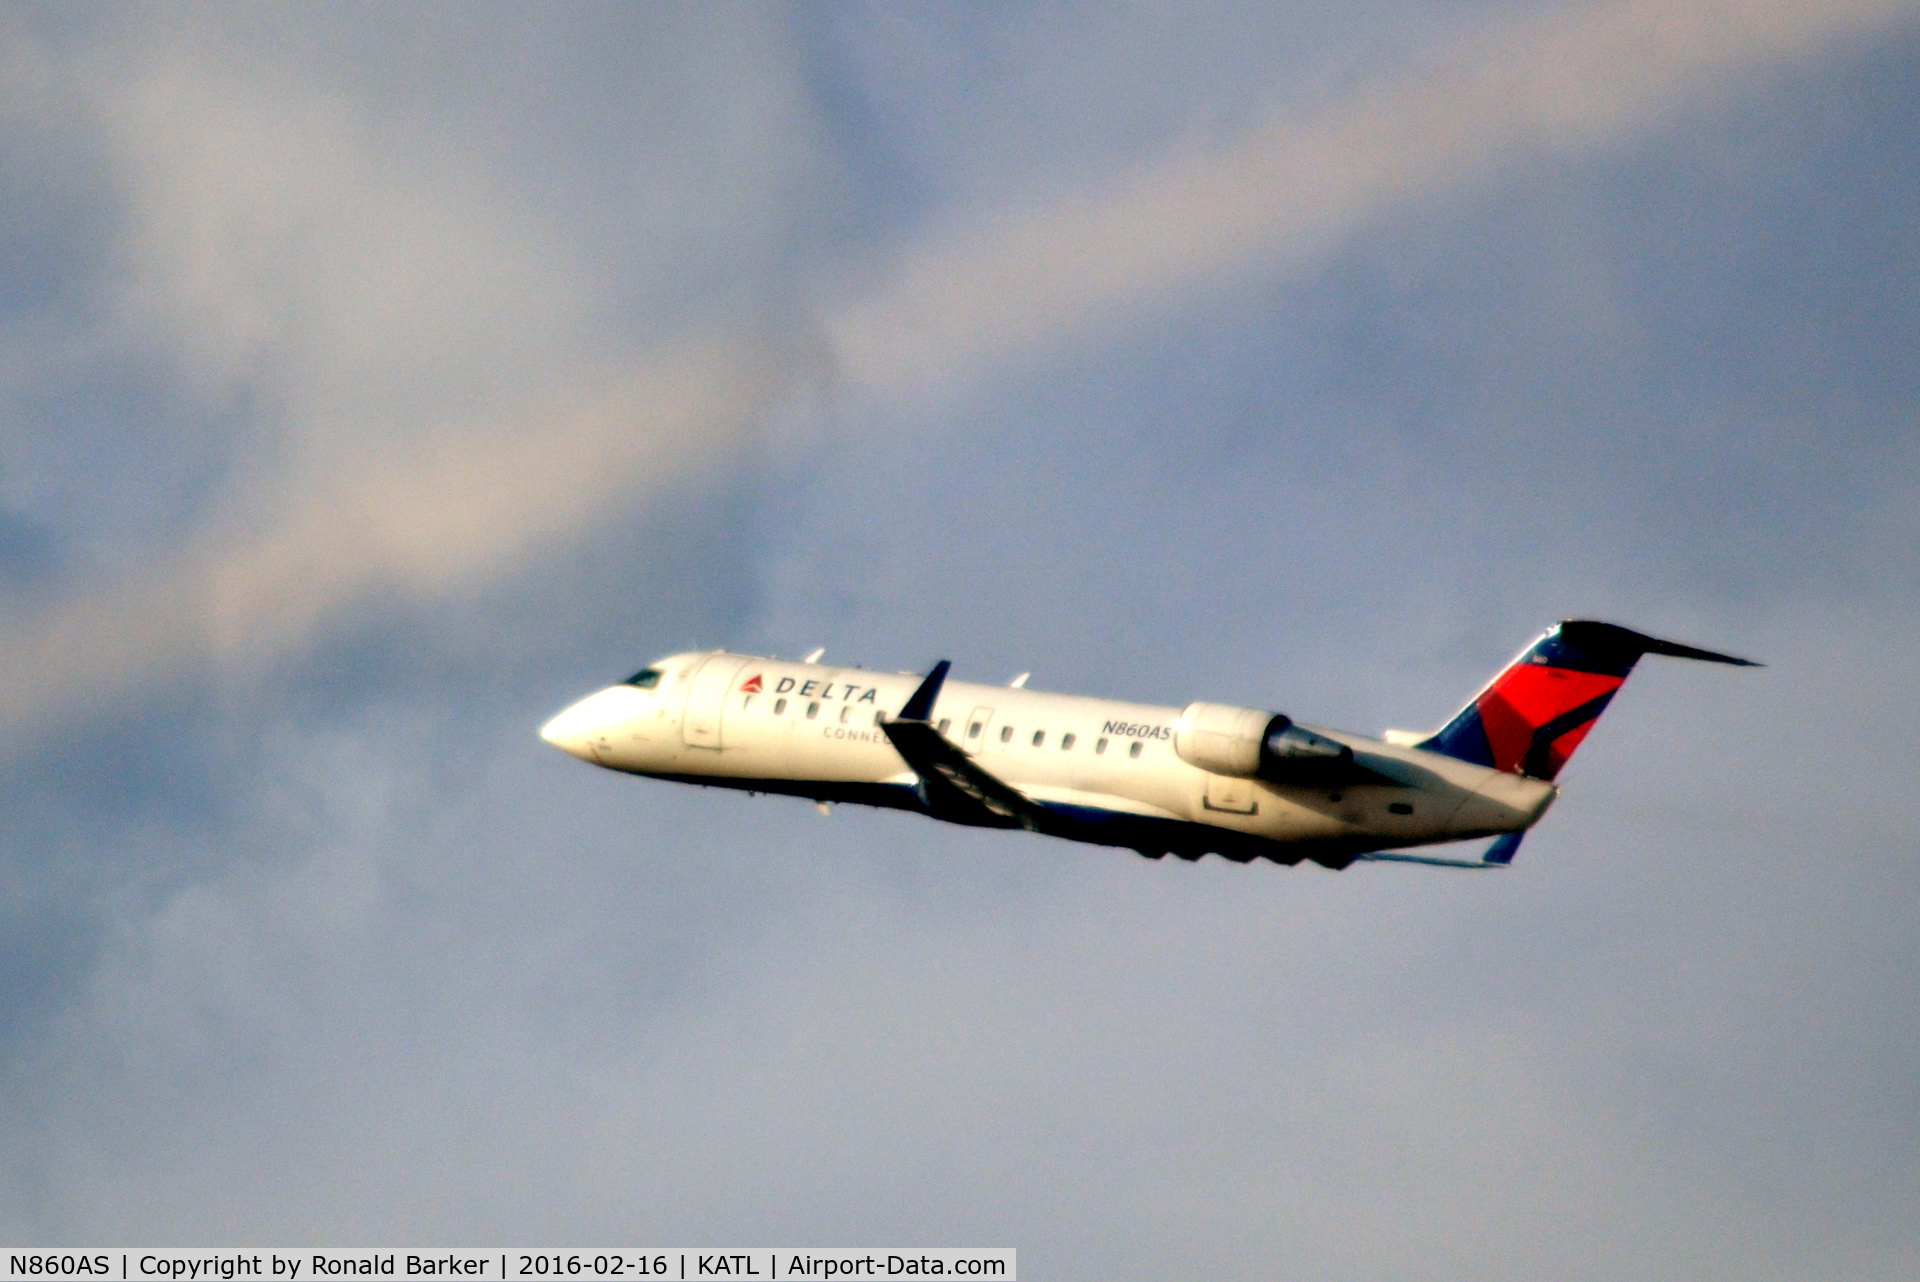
<point x="814" y="657"/>
<point x="1019" y="682"/>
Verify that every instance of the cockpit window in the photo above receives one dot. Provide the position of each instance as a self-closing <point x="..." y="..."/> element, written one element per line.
<point x="646" y="678"/>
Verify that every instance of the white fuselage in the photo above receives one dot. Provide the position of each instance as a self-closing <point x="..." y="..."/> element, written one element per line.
<point x="812" y="730"/>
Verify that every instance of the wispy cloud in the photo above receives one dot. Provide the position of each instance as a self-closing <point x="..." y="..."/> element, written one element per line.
<point x="427" y="516"/>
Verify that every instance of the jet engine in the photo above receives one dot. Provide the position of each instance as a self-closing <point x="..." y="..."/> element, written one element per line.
<point x="1225" y="740"/>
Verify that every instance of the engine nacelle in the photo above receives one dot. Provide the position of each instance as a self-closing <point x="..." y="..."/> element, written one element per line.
<point x="1245" y="742"/>
<point x="1220" y="738"/>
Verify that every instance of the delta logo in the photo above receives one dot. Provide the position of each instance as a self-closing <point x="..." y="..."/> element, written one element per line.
<point x="846" y="691"/>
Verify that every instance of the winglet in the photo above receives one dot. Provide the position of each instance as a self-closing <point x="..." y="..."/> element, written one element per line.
<point x="920" y="706"/>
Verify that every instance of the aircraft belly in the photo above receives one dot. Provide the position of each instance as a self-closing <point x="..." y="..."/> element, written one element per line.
<point x="1105" y="802"/>
<point x="1195" y="801"/>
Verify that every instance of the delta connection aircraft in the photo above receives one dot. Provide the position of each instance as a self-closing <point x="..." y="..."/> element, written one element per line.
<point x="1237" y="782"/>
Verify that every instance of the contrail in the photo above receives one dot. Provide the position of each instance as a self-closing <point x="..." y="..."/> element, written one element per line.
<point x="1021" y="282"/>
<point x="425" y="521"/>
<point x="463" y="503"/>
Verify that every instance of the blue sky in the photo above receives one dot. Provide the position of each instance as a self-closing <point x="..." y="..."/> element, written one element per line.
<point x="375" y="384"/>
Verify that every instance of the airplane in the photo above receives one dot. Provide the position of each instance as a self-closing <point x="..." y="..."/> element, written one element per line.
<point x="1209" y="778"/>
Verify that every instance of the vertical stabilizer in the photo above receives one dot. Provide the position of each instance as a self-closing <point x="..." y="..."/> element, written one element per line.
<point x="1532" y="716"/>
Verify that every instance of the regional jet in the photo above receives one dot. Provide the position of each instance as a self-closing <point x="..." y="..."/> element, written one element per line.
<point x="1208" y="778"/>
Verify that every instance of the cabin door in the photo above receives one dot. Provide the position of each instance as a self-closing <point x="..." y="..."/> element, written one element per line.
<point x="700" y="724"/>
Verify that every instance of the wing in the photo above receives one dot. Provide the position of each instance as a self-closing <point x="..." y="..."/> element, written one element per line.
<point x="955" y="786"/>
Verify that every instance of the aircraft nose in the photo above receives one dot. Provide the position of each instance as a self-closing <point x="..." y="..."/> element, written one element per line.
<point x="571" y="730"/>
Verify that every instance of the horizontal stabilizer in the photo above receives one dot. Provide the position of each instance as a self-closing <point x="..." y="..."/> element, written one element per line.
<point x="1501" y="851"/>
<point x="1612" y="639"/>
<point x="1498" y="855"/>
<point x="1432" y="861"/>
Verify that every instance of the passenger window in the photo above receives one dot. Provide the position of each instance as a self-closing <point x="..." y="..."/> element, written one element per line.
<point x="944" y="723"/>
<point x="1099" y="746"/>
<point x="1006" y="733"/>
<point x="1066" y="743"/>
<point x="646" y="678"/>
<point x="1400" y="808"/>
<point x="973" y="731"/>
<point x="846" y="715"/>
<point x="813" y="710"/>
<point x="779" y="706"/>
<point x="1134" y="751"/>
<point x="1039" y="737"/>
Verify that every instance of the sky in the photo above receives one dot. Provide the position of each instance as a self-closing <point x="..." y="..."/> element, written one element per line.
<point x="375" y="381"/>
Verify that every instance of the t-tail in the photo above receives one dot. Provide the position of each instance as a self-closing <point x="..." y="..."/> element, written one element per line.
<point x="1531" y="717"/>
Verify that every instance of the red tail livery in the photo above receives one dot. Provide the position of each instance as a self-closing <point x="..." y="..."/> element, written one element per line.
<point x="1533" y="715"/>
